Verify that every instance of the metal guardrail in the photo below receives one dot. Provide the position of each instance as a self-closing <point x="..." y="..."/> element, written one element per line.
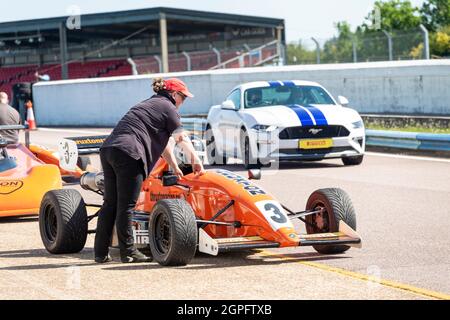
<point x="375" y="138"/>
<point x="408" y="140"/>
<point x="194" y="124"/>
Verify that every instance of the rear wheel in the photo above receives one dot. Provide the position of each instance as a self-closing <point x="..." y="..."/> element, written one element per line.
<point x="353" y="161"/>
<point x="63" y="222"/>
<point x="173" y="232"/>
<point x="336" y="206"/>
<point x="213" y="155"/>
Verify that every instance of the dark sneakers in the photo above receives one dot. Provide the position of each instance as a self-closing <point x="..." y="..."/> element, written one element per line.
<point x="103" y="259"/>
<point x="136" y="257"/>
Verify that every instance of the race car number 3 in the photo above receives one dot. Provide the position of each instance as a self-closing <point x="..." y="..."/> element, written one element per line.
<point x="274" y="214"/>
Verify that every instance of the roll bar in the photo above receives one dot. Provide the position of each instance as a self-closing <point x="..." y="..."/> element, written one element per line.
<point x="18" y="127"/>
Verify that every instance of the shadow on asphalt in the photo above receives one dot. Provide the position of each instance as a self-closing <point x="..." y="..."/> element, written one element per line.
<point x="200" y="262"/>
<point x="235" y="259"/>
<point x="86" y="255"/>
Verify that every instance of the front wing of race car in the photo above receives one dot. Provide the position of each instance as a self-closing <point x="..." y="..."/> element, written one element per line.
<point x="214" y="246"/>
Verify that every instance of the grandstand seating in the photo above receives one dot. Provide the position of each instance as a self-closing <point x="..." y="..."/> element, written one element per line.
<point x="92" y="69"/>
<point x="201" y="60"/>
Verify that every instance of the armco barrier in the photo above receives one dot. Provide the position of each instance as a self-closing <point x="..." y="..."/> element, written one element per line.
<point x="408" y="140"/>
<point x="375" y="138"/>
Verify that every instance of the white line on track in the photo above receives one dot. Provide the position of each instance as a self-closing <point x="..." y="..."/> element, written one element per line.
<point x="72" y="131"/>
<point x="386" y="155"/>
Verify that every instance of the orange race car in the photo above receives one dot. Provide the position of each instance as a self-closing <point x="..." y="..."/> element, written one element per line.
<point x="216" y="212"/>
<point x="27" y="172"/>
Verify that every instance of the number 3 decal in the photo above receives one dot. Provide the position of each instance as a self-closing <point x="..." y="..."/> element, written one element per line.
<point x="274" y="214"/>
<point x="277" y="216"/>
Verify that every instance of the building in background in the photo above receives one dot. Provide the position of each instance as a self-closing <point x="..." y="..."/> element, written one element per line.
<point x="135" y="42"/>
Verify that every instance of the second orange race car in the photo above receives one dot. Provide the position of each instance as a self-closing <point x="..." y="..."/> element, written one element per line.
<point x="28" y="171"/>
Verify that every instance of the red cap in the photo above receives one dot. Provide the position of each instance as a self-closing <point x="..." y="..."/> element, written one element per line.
<point x="175" y="84"/>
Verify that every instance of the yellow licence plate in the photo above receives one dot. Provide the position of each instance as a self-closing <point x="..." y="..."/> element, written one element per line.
<point x="315" y="144"/>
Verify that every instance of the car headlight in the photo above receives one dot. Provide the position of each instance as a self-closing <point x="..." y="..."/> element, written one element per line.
<point x="358" y="124"/>
<point x="263" y="128"/>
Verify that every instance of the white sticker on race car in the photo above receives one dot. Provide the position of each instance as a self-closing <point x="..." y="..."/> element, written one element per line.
<point x="141" y="236"/>
<point x="68" y="154"/>
<point x="274" y="214"/>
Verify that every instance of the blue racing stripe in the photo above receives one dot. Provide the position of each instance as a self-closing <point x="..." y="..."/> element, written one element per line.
<point x="289" y="83"/>
<point x="318" y="116"/>
<point x="305" y="118"/>
<point x="274" y="84"/>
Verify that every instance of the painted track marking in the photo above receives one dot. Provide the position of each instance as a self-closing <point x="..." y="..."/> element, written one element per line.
<point x="364" y="277"/>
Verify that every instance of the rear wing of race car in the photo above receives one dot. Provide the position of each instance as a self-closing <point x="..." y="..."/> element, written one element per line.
<point x="17" y="127"/>
<point x="70" y="148"/>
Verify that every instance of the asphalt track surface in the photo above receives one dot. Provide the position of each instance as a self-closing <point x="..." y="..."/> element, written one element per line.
<point x="402" y="206"/>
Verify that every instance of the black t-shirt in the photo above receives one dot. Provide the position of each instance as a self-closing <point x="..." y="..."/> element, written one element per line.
<point x="144" y="131"/>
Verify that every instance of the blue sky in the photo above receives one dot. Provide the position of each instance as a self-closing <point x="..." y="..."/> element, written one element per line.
<point x="304" y="18"/>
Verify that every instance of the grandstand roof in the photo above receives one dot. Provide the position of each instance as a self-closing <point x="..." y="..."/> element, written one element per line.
<point x="123" y="22"/>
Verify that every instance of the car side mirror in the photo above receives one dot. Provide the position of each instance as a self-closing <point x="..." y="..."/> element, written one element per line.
<point x="254" y="174"/>
<point x="343" y="101"/>
<point x="169" y="180"/>
<point x="228" y="105"/>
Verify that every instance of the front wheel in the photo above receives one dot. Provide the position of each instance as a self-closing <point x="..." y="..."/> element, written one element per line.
<point x="173" y="232"/>
<point x="353" y="161"/>
<point x="213" y="155"/>
<point x="336" y="206"/>
<point x="63" y="222"/>
<point x="248" y="158"/>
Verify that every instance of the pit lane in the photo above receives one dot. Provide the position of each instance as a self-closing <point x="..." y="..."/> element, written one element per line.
<point x="402" y="214"/>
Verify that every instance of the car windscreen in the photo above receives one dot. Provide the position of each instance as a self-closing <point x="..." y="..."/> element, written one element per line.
<point x="285" y="95"/>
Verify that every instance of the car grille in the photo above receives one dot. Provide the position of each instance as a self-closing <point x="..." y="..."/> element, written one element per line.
<point x="305" y="132"/>
<point x="314" y="151"/>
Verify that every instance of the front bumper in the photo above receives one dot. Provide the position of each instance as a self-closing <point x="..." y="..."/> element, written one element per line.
<point x="270" y="148"/>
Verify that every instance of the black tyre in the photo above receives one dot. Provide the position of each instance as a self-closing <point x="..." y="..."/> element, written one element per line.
<point x="336" y="206"/>
<point x="83" y="162"/>
<point x="248" y="159"/>
<point x="213" y="155"/>
<point x="353" y="161"/>
<point x="173" y="232"/>
<point x="63" y="222"/>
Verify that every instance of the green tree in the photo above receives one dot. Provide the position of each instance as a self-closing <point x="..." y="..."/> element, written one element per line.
<point x="299" y="54"/>
<point x="435" y="14"/>
<point x="394" y="15"/>
<point x="340" y="47"/>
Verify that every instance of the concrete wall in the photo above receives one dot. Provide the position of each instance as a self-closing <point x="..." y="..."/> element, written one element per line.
<point x="404" y="87"/>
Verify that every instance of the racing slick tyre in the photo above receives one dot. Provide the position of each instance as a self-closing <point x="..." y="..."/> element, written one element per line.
<point x="336" y="206"/>
<point x="248" y="160"/>
<point x="173" y="232"/>
<point x="63" y="221"/>
<point x="352" y="161"/>
<point x="213" y="155"/>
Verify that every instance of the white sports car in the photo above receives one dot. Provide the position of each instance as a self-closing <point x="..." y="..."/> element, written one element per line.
<point x="283" y="120"/>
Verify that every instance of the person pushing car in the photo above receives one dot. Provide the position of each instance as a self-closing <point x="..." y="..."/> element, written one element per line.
<point x="128" y="155"/>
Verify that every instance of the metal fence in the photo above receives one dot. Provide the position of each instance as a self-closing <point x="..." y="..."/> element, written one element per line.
<point x="381" y="45"/>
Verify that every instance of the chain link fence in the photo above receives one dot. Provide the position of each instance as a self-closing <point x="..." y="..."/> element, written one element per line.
<point x="375" y="46"/>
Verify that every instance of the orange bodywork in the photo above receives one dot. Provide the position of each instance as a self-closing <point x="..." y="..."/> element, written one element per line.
<point x="22" y="187"/>
<point x="213" y="191"/>
<point x="51" y="157"/>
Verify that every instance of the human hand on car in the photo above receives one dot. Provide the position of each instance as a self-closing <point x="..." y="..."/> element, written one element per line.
<point x="198" y="169"/>
<point x="178" y="172"/>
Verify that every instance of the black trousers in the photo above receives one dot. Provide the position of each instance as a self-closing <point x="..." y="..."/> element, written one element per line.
<point x="123" y="180"/>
